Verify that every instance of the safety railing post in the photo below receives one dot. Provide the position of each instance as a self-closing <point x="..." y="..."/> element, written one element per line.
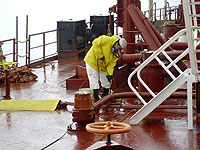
<point x="16" y="39"/>
<point x="27" y="39"/>
<point x="58" y="40"/>
<point x="44" y="48"/>
<point x="14" y="54"/>
<point x="28" y="58"/>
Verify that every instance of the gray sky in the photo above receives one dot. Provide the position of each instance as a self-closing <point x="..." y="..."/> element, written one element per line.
<point x="43" y="14"/>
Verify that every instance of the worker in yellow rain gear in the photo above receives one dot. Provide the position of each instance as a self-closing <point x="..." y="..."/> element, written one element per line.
<point x="101" y="60"/>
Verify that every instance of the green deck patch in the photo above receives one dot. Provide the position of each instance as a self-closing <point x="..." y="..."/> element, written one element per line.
<point x="31" y="105"/>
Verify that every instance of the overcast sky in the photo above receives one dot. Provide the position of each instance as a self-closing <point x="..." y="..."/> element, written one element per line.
<point x="43" y="14"/>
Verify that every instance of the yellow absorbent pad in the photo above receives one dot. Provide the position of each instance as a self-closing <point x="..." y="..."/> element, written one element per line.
<point x="32" y="105"/>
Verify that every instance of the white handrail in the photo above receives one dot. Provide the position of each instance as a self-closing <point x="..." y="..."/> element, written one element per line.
<point x="154" y="56"/>
<point x="169" y="58"/>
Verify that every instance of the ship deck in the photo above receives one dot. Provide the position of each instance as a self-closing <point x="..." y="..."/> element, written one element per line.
<point x="163" y="129"/>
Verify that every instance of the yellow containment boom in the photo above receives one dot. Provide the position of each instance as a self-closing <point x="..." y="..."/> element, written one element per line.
<point x="29" y="105"/>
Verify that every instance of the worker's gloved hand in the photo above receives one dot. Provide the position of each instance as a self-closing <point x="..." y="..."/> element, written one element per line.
<point x="2" y="56"/>
<point x="109" y="77"/>
<point x="102" y="58"/>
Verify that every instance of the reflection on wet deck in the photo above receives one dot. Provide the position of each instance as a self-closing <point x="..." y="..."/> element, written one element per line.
<point x="163" y="129"/>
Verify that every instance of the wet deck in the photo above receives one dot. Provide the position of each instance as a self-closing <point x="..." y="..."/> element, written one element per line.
<point x="33" y="130"/>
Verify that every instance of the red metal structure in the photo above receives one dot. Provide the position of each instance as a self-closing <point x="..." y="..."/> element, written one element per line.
<point x="134" y="23"/>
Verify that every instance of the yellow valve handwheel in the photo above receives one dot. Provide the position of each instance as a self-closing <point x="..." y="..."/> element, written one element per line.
<point x="6" y="64"/>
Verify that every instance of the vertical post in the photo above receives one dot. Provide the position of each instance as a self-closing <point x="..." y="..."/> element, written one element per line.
<point x="44" y="48"/>
<point x="155" y="12"/>
<point x="58" y="40"/>
<point x="16" y="59"/>
<point x="108" y="139"/>
<point x="170" y="13"/>
<point x="198" y="99"/>
<point x="7" y="83"/>
<point x="29" y="51"/>
<point x="26" y="38"/>
<point x="190" y="80"/>
<point x="14" y="50"/>
<point x="190" y="36"/>
<point x="127" y="26"/>
<point x="165" y="7"/>
<point x="150" y="10"/>
<point x="175" y="15"/>
<point x="161" y="15"/>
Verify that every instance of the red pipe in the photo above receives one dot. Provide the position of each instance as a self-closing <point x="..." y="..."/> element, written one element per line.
<point x="179" y="45"/>
<point x="150" y="27"/>
<point x="127" y="26"/>
<point x="141" y="23"/>
<point x="129" y="58"/>
<point x="140" y="106"/>
<point x="160" y="38"/>
<point x="107" y="98"/>
<point x="132" y="58"/>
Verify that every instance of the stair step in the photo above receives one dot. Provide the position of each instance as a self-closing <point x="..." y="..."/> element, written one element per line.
<point x="197" y="50"/>
<point x="195" y="27"/>
<point x="197" y="15"/>
<point x="195" y="3"/>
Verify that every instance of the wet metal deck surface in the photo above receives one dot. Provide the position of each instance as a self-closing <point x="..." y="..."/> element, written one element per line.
<point x="33" y="130"/>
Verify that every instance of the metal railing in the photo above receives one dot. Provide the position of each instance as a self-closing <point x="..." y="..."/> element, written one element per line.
<point x="30" y="49"/>
<point x="155" y="55"/>
<point x="166" y="13"/>
<point x="13" y="47"/>
<point x="43" y="45"/>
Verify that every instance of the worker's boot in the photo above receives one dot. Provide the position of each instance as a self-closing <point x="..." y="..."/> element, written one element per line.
<point x="96" y="94"/>
<point x="104" y="92"/>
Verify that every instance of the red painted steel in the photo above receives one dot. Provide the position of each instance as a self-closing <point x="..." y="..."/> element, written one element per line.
<point x="127" y="26"/>
<point x="158" y="36"/>
<point x="129" y="106"/>
<point x="151" y="74"/>
<point x="107" y="98"/>
<point x="123" y="20"/>
<point x="179" y="45"/>
<point x="169" y="31"/>
<point x="129" y="58"/>
<point x="142" y="24"/>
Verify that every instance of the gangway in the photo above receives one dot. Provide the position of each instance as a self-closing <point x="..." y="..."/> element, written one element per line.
<point x="190" y="75"/>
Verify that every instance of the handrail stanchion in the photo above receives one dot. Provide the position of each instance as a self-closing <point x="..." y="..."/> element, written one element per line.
<point x="16" y="39"/>
<point x="27" y="39"/>
<point x="58" y="40"/>
<point x="14" y="54"/>
<point x="44" y="48"/>
<point x="29" y="52"/>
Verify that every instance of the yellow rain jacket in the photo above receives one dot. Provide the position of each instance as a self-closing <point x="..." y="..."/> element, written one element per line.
<point x="101" y="47"/>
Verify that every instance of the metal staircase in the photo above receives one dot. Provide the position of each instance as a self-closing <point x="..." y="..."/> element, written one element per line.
<point x="189" y="75"/>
